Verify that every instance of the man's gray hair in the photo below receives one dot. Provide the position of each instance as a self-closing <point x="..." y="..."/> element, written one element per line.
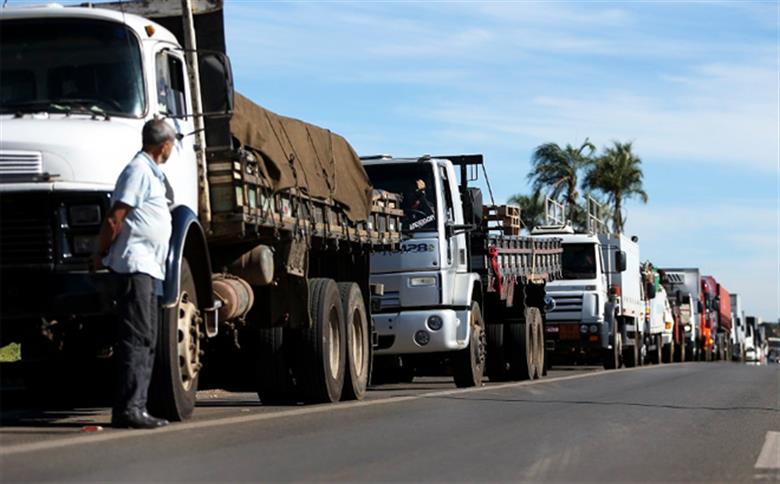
<point x="157" y="132"/>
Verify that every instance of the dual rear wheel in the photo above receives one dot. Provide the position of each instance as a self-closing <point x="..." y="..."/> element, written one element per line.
<point x="516" y="350"/>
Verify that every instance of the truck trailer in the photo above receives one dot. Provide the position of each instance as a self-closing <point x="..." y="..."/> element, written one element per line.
<point x="458" y="294"/>
<point x="274" y="219"/>
<point x="717" y="319"/>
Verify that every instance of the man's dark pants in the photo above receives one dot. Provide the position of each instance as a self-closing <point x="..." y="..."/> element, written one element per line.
<point x="136" y="339"/>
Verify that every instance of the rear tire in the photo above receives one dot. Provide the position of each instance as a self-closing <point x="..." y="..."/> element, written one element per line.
<point x="521" y="355"/>
<point x="357" y="359"/>
<point x="534" y="316"/>
<point x="633" y="354"/>
<point x="320" y="365"/>
<point x="177" y="364"/>
<point x="469" y="363"/>
<point x="273" y="380"/>
<point x="496" y="362"/>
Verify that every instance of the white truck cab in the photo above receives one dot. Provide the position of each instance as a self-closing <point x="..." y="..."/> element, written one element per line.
<point x="427" y="284"/>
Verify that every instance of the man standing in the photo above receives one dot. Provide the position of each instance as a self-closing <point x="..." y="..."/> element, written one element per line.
<point x="133" y="244"/>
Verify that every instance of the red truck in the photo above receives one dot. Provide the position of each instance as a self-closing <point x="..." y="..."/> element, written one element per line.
<point x="716" y="319"/>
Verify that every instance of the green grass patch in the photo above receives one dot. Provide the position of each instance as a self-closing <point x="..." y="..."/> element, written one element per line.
<point x="10" y="353"/>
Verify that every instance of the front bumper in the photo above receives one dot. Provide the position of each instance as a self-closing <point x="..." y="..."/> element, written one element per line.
<point x="52" y="295"/>
<point x="396" y="331"/>
<point x="568" y="339"/>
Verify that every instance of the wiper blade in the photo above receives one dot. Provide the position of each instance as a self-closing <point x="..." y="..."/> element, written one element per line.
<point x="82" y="106"/>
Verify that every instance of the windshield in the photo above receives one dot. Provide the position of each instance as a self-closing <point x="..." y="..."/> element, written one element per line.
<point x="413" y="181"/>
<point x="579" y="261"/>
<point x="70" y="65"/>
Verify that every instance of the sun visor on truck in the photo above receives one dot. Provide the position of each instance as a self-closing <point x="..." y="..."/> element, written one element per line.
<point x="301" y="155"/>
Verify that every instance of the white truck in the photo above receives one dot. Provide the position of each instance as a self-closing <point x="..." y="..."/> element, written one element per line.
<point x="268" y="272"/>
<point x="658" y="318"/>
<point x="457" y="294"/>
<point x="683" y="286"/>
<point x="738" y="333"/>
<point x="595" y="312"/>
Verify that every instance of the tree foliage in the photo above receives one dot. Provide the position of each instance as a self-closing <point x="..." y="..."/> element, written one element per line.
<point x="555" y="170"/>
<point x="617" y="173"/>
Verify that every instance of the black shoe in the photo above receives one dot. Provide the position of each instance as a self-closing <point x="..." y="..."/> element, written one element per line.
<point x="136" y="419"/>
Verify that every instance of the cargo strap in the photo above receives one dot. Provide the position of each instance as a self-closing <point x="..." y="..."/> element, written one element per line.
<point x="493" y="254"/>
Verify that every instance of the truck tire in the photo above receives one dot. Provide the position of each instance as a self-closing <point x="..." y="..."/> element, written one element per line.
<point x="273" y="380"/>
<point x="177" y="364"/>
<point x="632" y="355"/>
<point x="357" y="360"/>
<point x="496" y="361"/>
<point x="469" y="363"/>
<point x="612" y="355"/>
<point x="521" y="351"/>
<point x="657" y="355"/>
<point x="534" y="316"/>
<point x="320" y="365"/>
<point x="668" y="352"/>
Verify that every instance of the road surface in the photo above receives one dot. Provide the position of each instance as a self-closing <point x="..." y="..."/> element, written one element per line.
<point x="713" y="422"/>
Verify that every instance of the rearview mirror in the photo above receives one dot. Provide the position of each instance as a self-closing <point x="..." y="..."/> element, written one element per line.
<point x="650" y="291"/>
<point x="620" y="261"/>
<point x="216" y="84"/>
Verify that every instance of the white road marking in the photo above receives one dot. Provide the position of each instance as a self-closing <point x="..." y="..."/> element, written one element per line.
<point x="770" y="452"/>
<point x="308" y="410"/>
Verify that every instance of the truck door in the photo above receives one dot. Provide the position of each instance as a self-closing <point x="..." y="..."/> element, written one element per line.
<point x="453" y="215"/>
<point x="172" y="101"/>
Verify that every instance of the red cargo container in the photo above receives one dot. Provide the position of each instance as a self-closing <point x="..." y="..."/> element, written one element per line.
<point x="724" y="310"/>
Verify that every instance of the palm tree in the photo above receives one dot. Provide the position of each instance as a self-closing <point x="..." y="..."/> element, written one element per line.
<point x="531" y="209"/>
<point x="618" y="175"/>
<point x="556" y="170"/>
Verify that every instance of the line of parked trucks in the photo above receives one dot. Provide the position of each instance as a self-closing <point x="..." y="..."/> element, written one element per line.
<point x="296" y="268"/>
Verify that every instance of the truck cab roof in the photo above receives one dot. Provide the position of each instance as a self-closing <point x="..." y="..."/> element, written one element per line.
<point x="136" y="23"/>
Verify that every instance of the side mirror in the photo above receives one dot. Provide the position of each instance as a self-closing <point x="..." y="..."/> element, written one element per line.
<point x="216" y="84"/>
<point x="620" y="261"/>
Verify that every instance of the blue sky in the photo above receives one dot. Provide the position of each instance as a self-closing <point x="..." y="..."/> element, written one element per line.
<point x="694" y="85"/>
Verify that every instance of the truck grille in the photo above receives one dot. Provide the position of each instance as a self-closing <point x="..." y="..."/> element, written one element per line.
<point x="21" y="162"/>
<point x="567" y="304"/>
<point x="26" y="236"/>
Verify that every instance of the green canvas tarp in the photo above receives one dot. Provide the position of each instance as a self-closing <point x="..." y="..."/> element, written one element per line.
<point x="300" y="155"/>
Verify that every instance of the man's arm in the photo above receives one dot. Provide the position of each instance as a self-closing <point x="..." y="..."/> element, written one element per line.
<point x="110" y="230"/>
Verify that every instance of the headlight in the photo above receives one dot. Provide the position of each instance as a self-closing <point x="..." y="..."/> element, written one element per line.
<point x="594" y="328"/>
<point x="84" y="244"/>
<point x="583" y="328"/>
<point x="687" y="328"/>
<point x="84" y="215"/>
<point x="422" y="281"/>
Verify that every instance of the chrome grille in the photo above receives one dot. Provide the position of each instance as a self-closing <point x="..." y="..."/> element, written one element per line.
<point x="21" y="162"/>
<point x="567" y="304"/>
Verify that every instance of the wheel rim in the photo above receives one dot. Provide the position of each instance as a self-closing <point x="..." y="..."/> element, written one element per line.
<point x="334" y="343"/>
<point x="188" y="340"/>
<point x="358" y="351"/>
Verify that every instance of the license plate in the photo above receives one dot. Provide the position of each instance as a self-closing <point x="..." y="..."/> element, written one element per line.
<point x="569" y="331"/>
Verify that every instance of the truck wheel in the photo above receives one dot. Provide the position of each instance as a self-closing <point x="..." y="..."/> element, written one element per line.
<point x="657" y="356"/>
<point x="177" y="364"/>
<point x="273" y="381"/>
<point x="612" y="355"/>
<point x="633" y="354"/>
<point x="668" y="352"/>
<point x="534" y="316"/>
<point x="321" y="361"/>
<point x="521" y="351"/>
<point x="356" y="322"/>
<point x="469" y="363"/>
<point x="496" y="362"/>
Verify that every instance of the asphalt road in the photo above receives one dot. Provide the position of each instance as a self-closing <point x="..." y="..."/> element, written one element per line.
<point x="691" y="422"/>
